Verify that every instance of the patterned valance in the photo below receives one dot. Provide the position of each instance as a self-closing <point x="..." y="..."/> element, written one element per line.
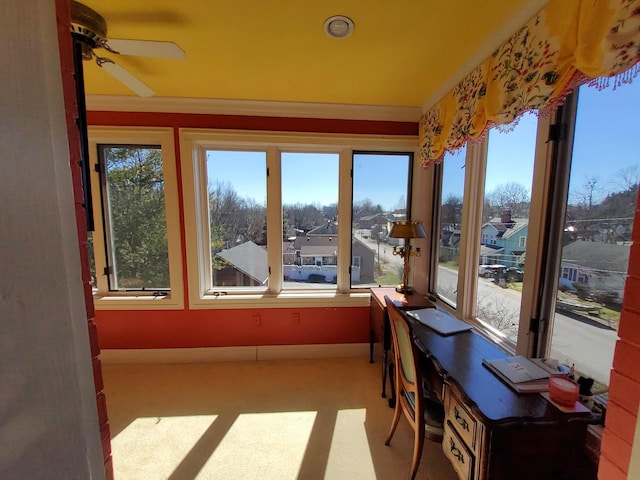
<point x="568" y="43"/>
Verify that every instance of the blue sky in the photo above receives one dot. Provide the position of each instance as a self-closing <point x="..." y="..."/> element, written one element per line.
<point x="606" y="142"/>
<point x="312" y="178"/>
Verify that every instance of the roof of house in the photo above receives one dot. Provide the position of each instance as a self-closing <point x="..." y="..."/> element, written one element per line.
<point x="490" y="250"/>
<point x="319" y="250"/>
<point x="609" y="257"/>
<point x="330" y="228"/>
<point x="248" y="258"/>
<point x="507" y="230"/>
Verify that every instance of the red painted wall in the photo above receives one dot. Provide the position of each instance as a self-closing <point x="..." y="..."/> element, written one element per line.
<point x="63" y="18"/>
<point x="237" y="327"/>
<point x="222" y="328"/>
<point x="624" y="388"/>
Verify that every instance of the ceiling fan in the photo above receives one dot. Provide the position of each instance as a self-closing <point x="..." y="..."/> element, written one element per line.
<point x="89" y="28"/>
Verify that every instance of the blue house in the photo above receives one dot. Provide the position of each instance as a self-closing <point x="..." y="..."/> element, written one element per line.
<point x="504" y="240"/>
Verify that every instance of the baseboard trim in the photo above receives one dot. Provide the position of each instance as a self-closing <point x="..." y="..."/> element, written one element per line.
<point x="232" y="354"/>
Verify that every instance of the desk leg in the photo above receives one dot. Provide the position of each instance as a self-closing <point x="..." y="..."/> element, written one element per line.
<point x="385" y="362"/>
<point x="371" y="339"/>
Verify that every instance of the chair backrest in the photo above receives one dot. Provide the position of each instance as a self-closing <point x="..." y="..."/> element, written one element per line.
<point x="403" y="345"/>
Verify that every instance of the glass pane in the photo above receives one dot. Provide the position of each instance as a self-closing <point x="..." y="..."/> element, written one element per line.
<point x="379" y="198"/>
<point x="237" y="194"/>
<point x="603" y="189"/>
<point x="450" y="225"/>
<point x="310" y="219"/>
<point x="136" y="227"/>
<point x="505" y="217"/>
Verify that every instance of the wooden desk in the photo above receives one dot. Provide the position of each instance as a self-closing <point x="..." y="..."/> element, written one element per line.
<point x="379" y="328"/>
<point x="492" y="432"/>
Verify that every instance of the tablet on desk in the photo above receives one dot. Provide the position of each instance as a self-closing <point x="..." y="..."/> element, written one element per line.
<point x="440" y="321"/>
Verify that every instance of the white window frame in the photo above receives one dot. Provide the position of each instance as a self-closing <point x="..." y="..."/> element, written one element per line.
<point x="134" y="300"/>
<point x="193" y="144"/>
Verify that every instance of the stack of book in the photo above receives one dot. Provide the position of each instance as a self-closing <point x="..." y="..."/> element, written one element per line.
<point x="520" y="373"/>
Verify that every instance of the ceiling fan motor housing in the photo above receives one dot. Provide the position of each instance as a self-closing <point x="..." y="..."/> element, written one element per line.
<point x="88" y="27"/>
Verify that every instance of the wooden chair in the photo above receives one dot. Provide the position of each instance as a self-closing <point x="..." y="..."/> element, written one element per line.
<point x="424" y="415"/>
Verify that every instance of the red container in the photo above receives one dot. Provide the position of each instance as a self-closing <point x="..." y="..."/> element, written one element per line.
<point x="563" y="391"/>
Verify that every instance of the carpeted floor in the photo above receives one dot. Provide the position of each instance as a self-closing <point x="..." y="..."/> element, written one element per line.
<point x="293" y="419"/>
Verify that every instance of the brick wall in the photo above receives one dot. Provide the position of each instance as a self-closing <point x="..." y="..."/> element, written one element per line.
<point x="63" y="14"/>
<point x="624" y="387"/>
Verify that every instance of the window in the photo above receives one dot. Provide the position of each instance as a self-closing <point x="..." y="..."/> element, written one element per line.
<point x="543" y="263"/>
<point x="310" y="218"/>
<point x="237" y="205"/>
<point x="599" y="212"/>
<point x="505" y="218"/>
<point x="293" y="201"/>
<point x="450" y="225"/>
<point x="136" y="259"/>
<point x="380" y="186"/>
<point x="132" y="185"/>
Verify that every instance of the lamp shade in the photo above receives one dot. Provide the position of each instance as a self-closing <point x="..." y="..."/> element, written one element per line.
<point x="407" y="230"/>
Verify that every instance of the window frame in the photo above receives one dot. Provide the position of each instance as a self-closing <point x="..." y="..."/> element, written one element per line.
<point x="104" y="299"/>
<point x="193" y="142"/>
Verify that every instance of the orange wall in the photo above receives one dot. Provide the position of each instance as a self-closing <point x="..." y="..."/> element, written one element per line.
<point x="221" y="328"/>
<point x="624" y="388"/>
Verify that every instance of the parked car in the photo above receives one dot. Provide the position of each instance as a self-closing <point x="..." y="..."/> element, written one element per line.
<point x="514" y="274"/>
<point x="490" y="271"/>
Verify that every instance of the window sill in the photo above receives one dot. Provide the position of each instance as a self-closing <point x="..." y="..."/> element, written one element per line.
<point x="131" y="301"/>
<point x="290" y="299"/>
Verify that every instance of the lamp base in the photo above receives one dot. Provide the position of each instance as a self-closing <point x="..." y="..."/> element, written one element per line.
<point x="405" y="289"/>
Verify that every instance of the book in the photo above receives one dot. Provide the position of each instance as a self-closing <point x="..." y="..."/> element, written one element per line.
<point x="552" y="366"/>
<point x="438" y="320"/>
<point x="519" y="373"/>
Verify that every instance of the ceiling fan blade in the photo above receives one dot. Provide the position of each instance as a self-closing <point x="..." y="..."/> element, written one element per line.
<point x="147" y="48"/>
<point x="127" y="79"/>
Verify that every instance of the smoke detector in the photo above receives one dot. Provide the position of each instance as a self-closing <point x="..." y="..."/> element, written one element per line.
<point x="338" y="26"/>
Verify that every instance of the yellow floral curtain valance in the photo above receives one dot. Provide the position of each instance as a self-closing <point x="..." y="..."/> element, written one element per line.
<point x="568" y="43"/>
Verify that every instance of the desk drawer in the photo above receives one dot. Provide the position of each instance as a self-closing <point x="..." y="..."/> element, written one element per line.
<point x="457" y="453"/>
<point x="463" y="422"/>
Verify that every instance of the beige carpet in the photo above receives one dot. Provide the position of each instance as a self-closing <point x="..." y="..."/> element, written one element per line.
<point x="294" y="419"/>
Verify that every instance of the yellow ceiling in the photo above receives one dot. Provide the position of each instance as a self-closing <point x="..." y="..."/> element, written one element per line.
<point x="402" y="52"/>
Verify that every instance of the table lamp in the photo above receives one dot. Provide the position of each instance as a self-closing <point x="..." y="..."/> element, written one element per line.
<point x="406" y="230"/>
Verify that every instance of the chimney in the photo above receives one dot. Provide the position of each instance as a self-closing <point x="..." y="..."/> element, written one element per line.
<point x="506" y="216"/>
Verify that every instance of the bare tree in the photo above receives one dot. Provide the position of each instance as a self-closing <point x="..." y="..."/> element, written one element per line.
<point x="512" y="195"/>
<point x="588" y="195"/>
<point x="629" y="177"/>
<point x="451" y="212"/>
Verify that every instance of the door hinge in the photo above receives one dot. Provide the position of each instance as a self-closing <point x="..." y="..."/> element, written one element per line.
<point x="108" y="271"/>
<point x="267" y="171"/>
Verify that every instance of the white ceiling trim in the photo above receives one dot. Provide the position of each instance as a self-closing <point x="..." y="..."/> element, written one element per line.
<point x="511" y="26"/>
<point x="213" y="106"/>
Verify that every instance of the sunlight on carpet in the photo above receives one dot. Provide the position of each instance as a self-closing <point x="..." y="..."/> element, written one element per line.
<point x="350" y="456"/>
<point x="147" y="440"/>
<point x="262" y="445"/>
